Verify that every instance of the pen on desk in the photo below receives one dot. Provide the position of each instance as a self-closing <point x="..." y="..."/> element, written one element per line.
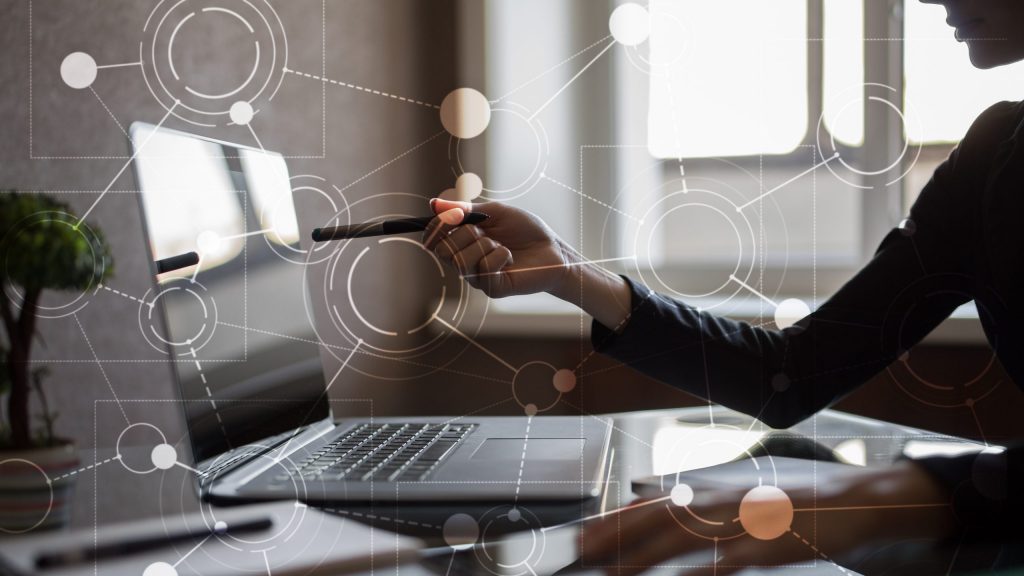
<point x="145" y="543"/>
<point x="385" y="227"/>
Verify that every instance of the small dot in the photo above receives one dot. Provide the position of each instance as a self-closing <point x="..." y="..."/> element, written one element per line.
<point x="789" y="312"/>
<point x="469" y="187"/>
<point x="630" y="24"/>
<point x="209" y="243"/>
<point x="460" y="531"/>
<point x="159" y="569"/>
<point x="465" y="113"/>
<point x="969" y="402"/>
<point x="682" y="495"/>
<point x="564" y="380"/>
<point x="780" y="382"/>
<point x="241" y="113"/>
<point x="220" y="527"/>
<point x="514" y="515"/>
<point x="766" y="512"/>
<point x="530" y="409"/>
<point x="164" y="456"/>
<point x="78" y="70"/>
<point x="908" y="227"/>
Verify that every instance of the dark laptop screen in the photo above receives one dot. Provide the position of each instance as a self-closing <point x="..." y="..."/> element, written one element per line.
<point x="236" y="325"/>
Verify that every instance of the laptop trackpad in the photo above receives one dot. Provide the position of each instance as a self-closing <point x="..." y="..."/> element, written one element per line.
<point x="535" y="449"/>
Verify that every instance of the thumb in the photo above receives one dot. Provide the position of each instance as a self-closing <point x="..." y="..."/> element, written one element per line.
<point x="440" y="206"/>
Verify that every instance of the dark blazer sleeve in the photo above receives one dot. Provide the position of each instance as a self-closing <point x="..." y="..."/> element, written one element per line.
<point x="919" y="275"/>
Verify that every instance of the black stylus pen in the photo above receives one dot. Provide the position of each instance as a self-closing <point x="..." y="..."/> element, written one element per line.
<point x="385" y="227"/>
<point x="144" y="544"/>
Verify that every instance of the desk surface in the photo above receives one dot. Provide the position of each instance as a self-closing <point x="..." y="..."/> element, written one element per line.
<point x="643" y="444"/>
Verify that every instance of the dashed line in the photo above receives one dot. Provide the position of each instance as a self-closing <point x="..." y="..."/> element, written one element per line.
<point x="103" y="371"/>
<point x="104" y="104"/>
<point x="85" y="469"/>
<point x="119" y="293"/>
<point x="379" y="517"/>
<point x="522" y="459"/>
<point x="209" y="394"/>
<point x="591" y="198"/>
<point x="820" y="553"/>
<point x="363" y="89"/>
<point x="390" y="162"/>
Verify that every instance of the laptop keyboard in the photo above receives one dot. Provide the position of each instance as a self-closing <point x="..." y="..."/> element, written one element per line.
<point x="383" y="453"/>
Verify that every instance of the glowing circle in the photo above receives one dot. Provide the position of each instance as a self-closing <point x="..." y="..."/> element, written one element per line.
<point x="220" y="527"/>
<point x="781" y="382"/>
<point x="630" y="24"/>
<point x="164" y="456"/>
<point x="564" y="380"/>
<point x="78" y="70"/>
<point x="136" y="434"/>
<point x="468" y="187"/>
<point x="530" y="409"/>
<point x="533" y="387"/>
<point x="766" y="512"/>
<point x="789" y="312"/>
<point x="460" y="531"/>
<point x="12" y="470"/>
<point x="514" y="515"/>
<point x="465" y="113"/>
<point x="160" y="569"/>
<point x="241" y="113"/>
<point x="681" y="495"/>
<point x="209" y="243"/>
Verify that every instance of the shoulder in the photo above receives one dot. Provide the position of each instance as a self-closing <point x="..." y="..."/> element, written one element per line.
<point x="997" y="124"/>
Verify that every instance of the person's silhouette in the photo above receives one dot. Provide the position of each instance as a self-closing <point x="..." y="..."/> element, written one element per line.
<point x="962" y="241"/>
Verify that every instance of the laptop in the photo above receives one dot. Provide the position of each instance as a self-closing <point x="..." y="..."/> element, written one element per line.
<point x="249" y="365"/>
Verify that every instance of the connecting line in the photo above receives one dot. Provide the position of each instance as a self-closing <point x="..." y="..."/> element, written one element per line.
<point x="550" y="70"/>
<point x="126" y="64"/>
<point x="571" y="80"/>
<point x="819" y="552"/>
<point x="751" y="289"/>
<point x="522" y="459"/>
<point x="190" y="469"/>
<point x="266" y="561"/>
<point x="194" y="548"/>
<point x="85" y="469"/>
<point x="105" y="107"/>
<point x="591" y="198"/>
<point x="128" y="163"/>
<point x="209" y="394"/>
<point x="880" y="507"/>
<point x="122" y="294"/>
<point x="608" y="513"/>
<point x="102" y="370"/>
<point x="392" y="161"/>
<point x="788" y="182"/>
<point x="549" y="267"/>
<point x="477" y="344"/>
<point x="363" y="89"/>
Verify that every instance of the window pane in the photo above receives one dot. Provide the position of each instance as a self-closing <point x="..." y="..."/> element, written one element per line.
<point x="843" y="75"/>
<point x="728" y="78"/>
<point x="939" y="106"/>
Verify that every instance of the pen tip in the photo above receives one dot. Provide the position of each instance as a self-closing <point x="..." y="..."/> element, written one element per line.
<point x="316" y="235"/>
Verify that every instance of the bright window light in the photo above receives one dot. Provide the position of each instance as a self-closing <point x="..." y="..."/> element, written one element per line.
<point x="843" y="74"/>
<point x="944" y="93"/>
<point x="728" y="78"/>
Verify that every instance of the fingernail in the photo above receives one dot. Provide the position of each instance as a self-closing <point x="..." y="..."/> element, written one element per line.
<point x="451" y="217"/>
<point x="432" y="202"/>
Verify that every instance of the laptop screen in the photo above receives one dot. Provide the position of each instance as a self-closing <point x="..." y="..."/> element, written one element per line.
<point x="236" y="325"/>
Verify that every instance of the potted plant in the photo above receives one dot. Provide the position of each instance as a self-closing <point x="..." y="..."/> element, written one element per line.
<point x="43" y="246"/>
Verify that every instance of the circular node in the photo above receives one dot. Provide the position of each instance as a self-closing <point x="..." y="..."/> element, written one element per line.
<point x="450" y="194"/>
<point x="19" y="474"/>
<point x="465" y="113"/>
<point x="210" y="244"/>
<point x="468" y="187"/>
<point x="682" y="495"/>
<point x="164" y="456"/>
<point x="78" y="70"/>
<point x="630" y="24"/>
<point x="766" y="512"/>
<point x="564" y="380"/>
<point x="220" y="527"/>
<point x="789" y="312"/>
<point x="969" y="402"/>
<point x="196" y="312"/>
<point x="780" y="382"/>
<point x="514" y="515"/>
<point x="532" y="387"/>
<point x="160" y="569"/>
<point x="460" y="531"/>
<point x="141" y="434"/>
<point x="241" y="113"/>
<point x="908" y="227"/>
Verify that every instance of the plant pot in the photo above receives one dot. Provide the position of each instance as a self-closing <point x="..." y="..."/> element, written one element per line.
<point x="36" y="487"/>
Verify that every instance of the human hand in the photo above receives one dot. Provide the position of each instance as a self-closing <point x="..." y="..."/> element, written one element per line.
<point x="513" y="252"/>
<point x="768" y="527"/>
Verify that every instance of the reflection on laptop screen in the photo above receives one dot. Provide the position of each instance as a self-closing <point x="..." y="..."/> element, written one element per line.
<point x="237" y="326"/>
